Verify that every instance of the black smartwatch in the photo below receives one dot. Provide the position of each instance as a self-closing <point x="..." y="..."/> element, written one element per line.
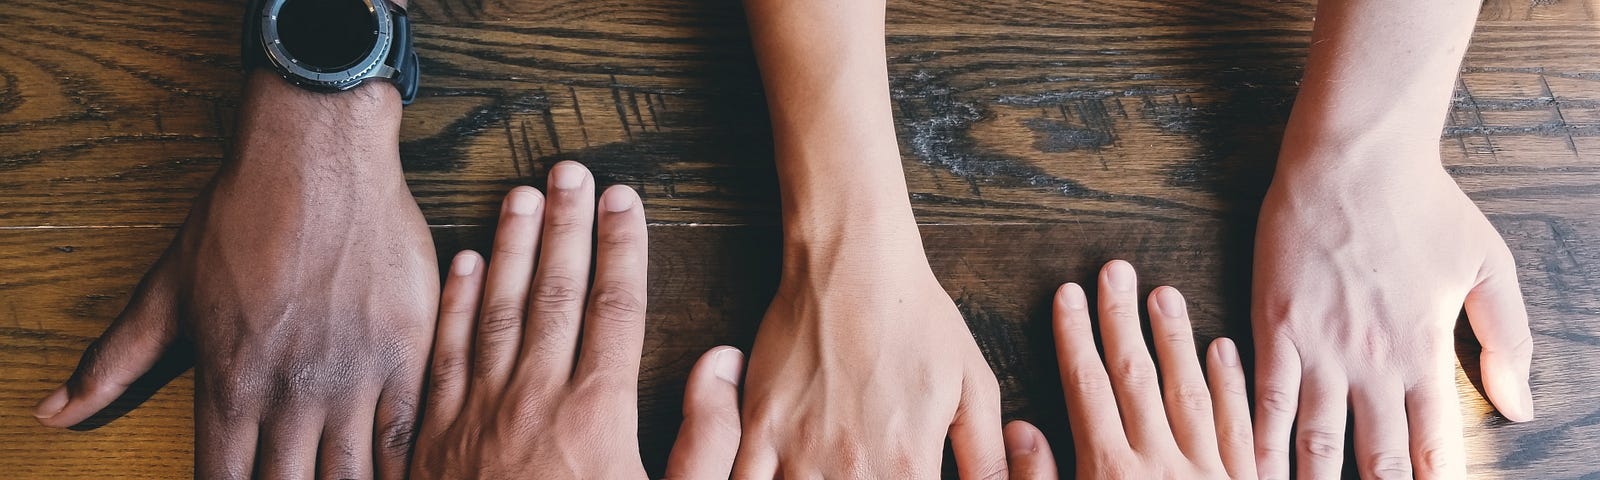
<point x="331" y="45"/>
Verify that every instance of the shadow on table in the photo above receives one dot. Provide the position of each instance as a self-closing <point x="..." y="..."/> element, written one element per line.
<point x="173" y="363"/>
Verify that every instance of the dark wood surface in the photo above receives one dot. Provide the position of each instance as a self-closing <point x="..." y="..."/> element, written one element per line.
<point x="1040" y="138"/>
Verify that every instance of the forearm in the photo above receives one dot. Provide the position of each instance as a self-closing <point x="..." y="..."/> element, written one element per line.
<point x="826" y="79"/>
<point x="1379" y="78"/>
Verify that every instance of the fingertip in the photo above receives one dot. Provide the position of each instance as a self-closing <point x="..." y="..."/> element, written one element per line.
<point x="729" y="365"/>
<point x="1119" y="276"/>
<point x="465" y="263"/>
<point x="51" y="405"/>
<point x="523" y="201"/>
<point x="1022" y="438"/>
<point x="1511" y="396"/>
<point x="1226" y="353"/>
<point x="619" y="198"/>
<point x="1169" y="302"/>
<point x="568" y="175"/>
<point x="1070" y="296"/>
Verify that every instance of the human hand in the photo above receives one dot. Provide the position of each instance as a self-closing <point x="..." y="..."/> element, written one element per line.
<point x="535" y="369"/>
<point x="1124" y="425"/>
<point x="1360" y="275"/>
<point x="862" y="368"/>
<point x="305" y="278"/>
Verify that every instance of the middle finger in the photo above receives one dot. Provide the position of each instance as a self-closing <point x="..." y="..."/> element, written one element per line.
<point x="1188" y="400"/>
<point x="562" y="280"/>
<point x="1133" y="375"/>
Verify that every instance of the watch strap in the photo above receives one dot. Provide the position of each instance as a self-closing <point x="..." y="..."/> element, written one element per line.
<point x="402" y="58"/>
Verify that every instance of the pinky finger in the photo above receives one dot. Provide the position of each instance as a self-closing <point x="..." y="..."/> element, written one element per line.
<point x="448" y="370"/>
<point x="1028" y="453"/>
<point x="1231" y="407"/>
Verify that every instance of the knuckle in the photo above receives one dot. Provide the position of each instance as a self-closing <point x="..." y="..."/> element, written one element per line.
<point x="615" y="302"/>
<point x="399" y="431"/>
<point x="994" y="468"/>
<point x="461" y="306"/>
<point x="1276" y="399"/>
<point x="508" y="249"/>
<point x="717" y="420"/>
<point x="1180" y="341"/>
<point x="1087" y="381"/>
<point x="557" y="292"/>
<point x="499" y="320"/>
<point x="1233" y="388"/>
<point x="1435" y="458"/>
<point x="1192" y="397"/>
<point x="231" y="386"/>
<point x="1388" y="465"/>
<point x="1522" y="348"/>
<point x="1235" y="434"/>
<point x="1321" y="444"/>
<point x="1115" y="469"/>
<point x="1132" y="370"/>
<point x="567" y="220"/>
<point x="621" y="238"/>
<point x="449" y="370"/>
<point x="1119" y="311"/>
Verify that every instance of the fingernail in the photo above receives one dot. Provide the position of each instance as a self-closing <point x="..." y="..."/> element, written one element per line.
<point x="1522" y="409"/>
<point x="1023" y="441"/>
<point x="52" y="404"/>
<point x="566" y="176"/>
<point x="465" y="265"/>
<point x="1072" y="296"/>
<point x="1227" y="354"/>
<point x="618" y="200"/>
<point x="730" y="365"/>
<point x="522" y="202"/>
<point x="1170" y="302"/>
<point x="1120" y="276"/>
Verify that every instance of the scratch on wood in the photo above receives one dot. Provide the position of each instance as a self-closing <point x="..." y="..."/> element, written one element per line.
<point x="576" y="110"/>
<point x="622" y="113"/>
<point x="633" y="102"/>
<point x="550" y="130"/>
<point x="651" y="105"/>
<point x="1555" y="105"/>
<point x="511" y="145"/>
<point x="1478" y="114"/>
<point x="522" y="125"/>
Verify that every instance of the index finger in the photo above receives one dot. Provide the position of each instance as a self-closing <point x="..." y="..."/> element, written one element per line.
<point x="1091" y="407"/>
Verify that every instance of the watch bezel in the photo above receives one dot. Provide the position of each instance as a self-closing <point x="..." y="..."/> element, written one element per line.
<point x="345" y="79"/>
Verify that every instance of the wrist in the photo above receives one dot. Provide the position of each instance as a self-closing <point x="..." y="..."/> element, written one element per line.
<point x="1354" y="154"/>
<point x="331" y="135"/>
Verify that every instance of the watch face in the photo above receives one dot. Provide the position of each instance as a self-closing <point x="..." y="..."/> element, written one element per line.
<point x="327" y="35"/>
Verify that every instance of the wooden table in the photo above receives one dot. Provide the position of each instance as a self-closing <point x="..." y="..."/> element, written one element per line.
<point x="1041" y="138"/>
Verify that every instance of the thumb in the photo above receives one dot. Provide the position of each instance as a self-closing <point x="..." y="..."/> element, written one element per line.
<point x="1500" y="321"/>
<point x="129" y="348"/>
<point x="1028" y="453"/>
<point x="975" y="434"/>
<point x="709" y="437"/>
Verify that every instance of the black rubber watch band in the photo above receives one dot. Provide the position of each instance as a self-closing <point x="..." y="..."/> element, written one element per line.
<point x="403" y="58"/>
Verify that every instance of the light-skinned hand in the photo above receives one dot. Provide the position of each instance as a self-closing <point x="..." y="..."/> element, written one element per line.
<point x="535" y="367"/>
<point x="1129" y="418"/>
<point x="1359" y="280"/>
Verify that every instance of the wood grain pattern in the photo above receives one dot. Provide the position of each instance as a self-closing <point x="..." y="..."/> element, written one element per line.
<point x="1040" y="138"/>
